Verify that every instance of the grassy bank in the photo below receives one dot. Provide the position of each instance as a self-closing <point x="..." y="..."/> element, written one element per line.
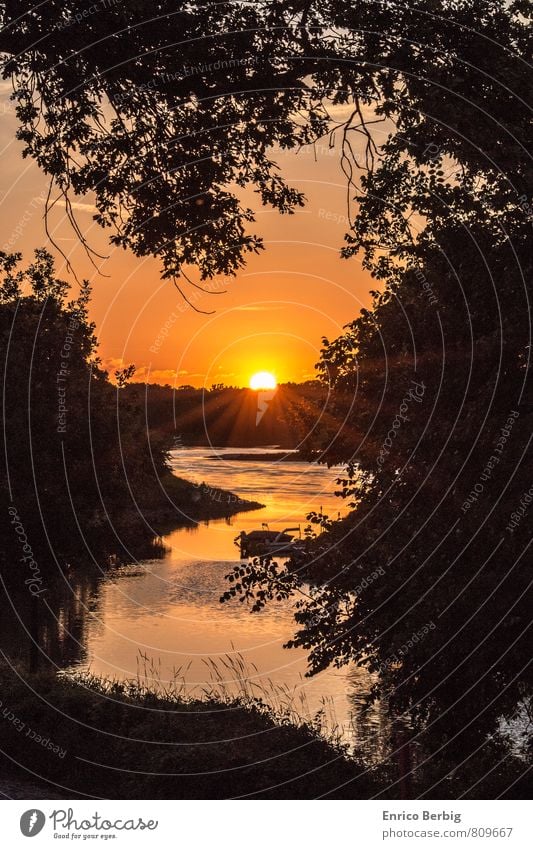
<point x="90" y="738"/>
<point x="171" y="502"/>
<point x="97" y="739"/>
<point x="178" y="499"/>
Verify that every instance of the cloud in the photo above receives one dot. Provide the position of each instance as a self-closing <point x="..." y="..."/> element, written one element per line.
<point x="256" y="308"/>
<point x="77" y="206"/>
<point x="162" y="375"/>
<point x="143" y="373"/>
<point x="112" y="363"/>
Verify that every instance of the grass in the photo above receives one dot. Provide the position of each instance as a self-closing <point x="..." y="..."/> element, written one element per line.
<point x="80" y="736"/>
<point x="231" y="680"/>
<point x="137" y="739"/>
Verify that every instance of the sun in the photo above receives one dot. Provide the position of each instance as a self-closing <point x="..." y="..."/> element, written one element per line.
<point x="263" y="380"/>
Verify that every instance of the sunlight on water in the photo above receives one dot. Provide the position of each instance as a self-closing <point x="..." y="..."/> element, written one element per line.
<point x="171" y="611"/>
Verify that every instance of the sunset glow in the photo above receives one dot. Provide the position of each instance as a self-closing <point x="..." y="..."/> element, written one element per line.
<point x="263" y="380"/>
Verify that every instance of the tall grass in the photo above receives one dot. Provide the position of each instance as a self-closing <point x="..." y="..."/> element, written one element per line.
<point x="232" y="681"/>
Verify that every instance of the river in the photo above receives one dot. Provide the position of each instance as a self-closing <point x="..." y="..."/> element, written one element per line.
<point x="166" y="615"/>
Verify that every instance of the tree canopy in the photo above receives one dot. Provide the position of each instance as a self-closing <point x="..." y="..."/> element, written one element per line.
<point x="166" y="111"/>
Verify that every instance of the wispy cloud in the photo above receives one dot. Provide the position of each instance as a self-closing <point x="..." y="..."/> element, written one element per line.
<point x="256" y="308"/>
<point x="143" y="373"/>
<point x="77" y="206"/>
<point x="158" y="375"/>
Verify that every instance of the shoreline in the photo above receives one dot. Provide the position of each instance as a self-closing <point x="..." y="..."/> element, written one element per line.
<point x="267" y="456"/>
<point x="195" y="503"/>
<point x="177" y="748"/>
<point x="125" y="528"/>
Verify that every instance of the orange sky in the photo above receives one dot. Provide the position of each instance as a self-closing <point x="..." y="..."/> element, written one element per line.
<point x="273" y="314"/>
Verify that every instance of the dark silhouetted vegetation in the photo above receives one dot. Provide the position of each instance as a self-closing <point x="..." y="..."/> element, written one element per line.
<point x="227" y="416"/>
<point x="166" y="110"/>
<point x="431" y="401"/>
<point x="79" y="462"/>
<point x="167" y="747"/>
<point x="164" y="747"/>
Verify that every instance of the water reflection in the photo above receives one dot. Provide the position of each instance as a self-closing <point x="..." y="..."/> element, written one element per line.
<point x="167" y="607"/>
<point x="51" y="631"/>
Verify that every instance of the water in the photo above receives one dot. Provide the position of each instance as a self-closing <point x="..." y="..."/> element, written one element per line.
<point x="169" y="609"/>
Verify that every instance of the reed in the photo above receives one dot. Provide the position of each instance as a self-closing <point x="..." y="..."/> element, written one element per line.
<point x="231" y="681"/>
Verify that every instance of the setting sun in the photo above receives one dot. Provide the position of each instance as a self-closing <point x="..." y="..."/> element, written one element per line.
<point x="263" y="380"/>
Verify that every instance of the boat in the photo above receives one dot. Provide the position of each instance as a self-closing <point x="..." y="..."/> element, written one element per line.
<point x="264" y="542"/>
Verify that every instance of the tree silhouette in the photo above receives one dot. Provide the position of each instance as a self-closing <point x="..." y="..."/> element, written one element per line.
<point x="426" y="582"/>
<point x="75" y="453"/>
<point x="166" y="110"/>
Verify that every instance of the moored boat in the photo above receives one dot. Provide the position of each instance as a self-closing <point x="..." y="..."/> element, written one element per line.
<point x="264" y="542"/>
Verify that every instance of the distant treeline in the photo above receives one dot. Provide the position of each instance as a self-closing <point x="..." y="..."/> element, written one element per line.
<point x="230" y="416"/>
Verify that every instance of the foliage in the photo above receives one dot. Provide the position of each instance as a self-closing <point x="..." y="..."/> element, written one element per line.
<point x="226" y="416"/>
<point x="427" y="580"/>
<point x="136" y="742"/>
<point x="72" y="455"/>
<point x="166" y="110"/>
<point x="425" y="384"/>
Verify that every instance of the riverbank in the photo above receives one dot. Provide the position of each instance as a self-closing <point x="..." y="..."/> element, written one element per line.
<point x="96" y="739"/>
<point x="166" y="505"/>
<point x="127" y="526"/>
<point x="266" y="457"/>
<point x="62" y="738"/>
<point x="179" y="501"/>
